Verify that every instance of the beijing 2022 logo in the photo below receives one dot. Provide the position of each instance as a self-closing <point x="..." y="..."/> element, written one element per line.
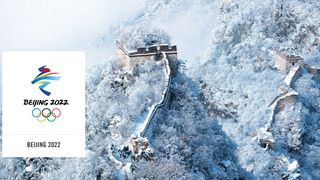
<point x="43" y="78"/>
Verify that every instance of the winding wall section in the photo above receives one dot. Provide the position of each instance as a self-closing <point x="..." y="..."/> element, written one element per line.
<point x="163" y="101"/>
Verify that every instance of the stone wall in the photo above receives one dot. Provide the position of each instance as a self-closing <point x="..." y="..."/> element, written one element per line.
<point x="314" y="71"/>
<point x="123" y="60"/>
<point x="130" y="60"/>
<point x="285" y="63"/>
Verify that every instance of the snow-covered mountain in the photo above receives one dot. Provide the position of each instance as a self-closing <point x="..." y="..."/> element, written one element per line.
<point x="218" y="122"/>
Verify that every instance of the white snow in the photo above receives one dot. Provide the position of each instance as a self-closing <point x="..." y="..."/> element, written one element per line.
<point x="143" y="127"/>
<point x="292" y="72"/>
<point x="237" y="36"/>
<point x="293" y="166"/>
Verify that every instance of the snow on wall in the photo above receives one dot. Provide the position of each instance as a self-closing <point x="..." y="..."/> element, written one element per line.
<point x="163" y="101"/>
<point x="291" y="75"/>
<point x="276" y="101"/>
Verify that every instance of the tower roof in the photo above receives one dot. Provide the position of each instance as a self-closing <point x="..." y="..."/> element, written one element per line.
<point x="289" y="57"/>
<point x="151" y="50"/>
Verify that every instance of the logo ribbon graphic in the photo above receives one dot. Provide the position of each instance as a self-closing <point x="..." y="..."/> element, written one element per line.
<point x="44" y="77"/>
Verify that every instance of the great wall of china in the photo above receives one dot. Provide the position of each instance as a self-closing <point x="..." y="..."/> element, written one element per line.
<point x="294" y="67"/>
<point x="167" y="56"/>
<point x="164" y="98"/>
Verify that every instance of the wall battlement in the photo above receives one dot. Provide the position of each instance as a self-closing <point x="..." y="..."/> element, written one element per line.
<point x="129" y="60"/>
<point x="284" y="62"/>
<point x="143" y="51"/>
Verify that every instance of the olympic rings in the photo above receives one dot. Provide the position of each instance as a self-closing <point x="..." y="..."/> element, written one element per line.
<point x="39" y="119"/>
<point x="51" y="120"/>
<point x="46" y="113"/>
<point x="38" y="114"/>
<point x="58" y="110"/>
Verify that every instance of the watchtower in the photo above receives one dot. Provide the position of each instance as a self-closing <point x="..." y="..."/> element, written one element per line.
<point x="129" y="60"/>
<point x="285" y="62"/>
